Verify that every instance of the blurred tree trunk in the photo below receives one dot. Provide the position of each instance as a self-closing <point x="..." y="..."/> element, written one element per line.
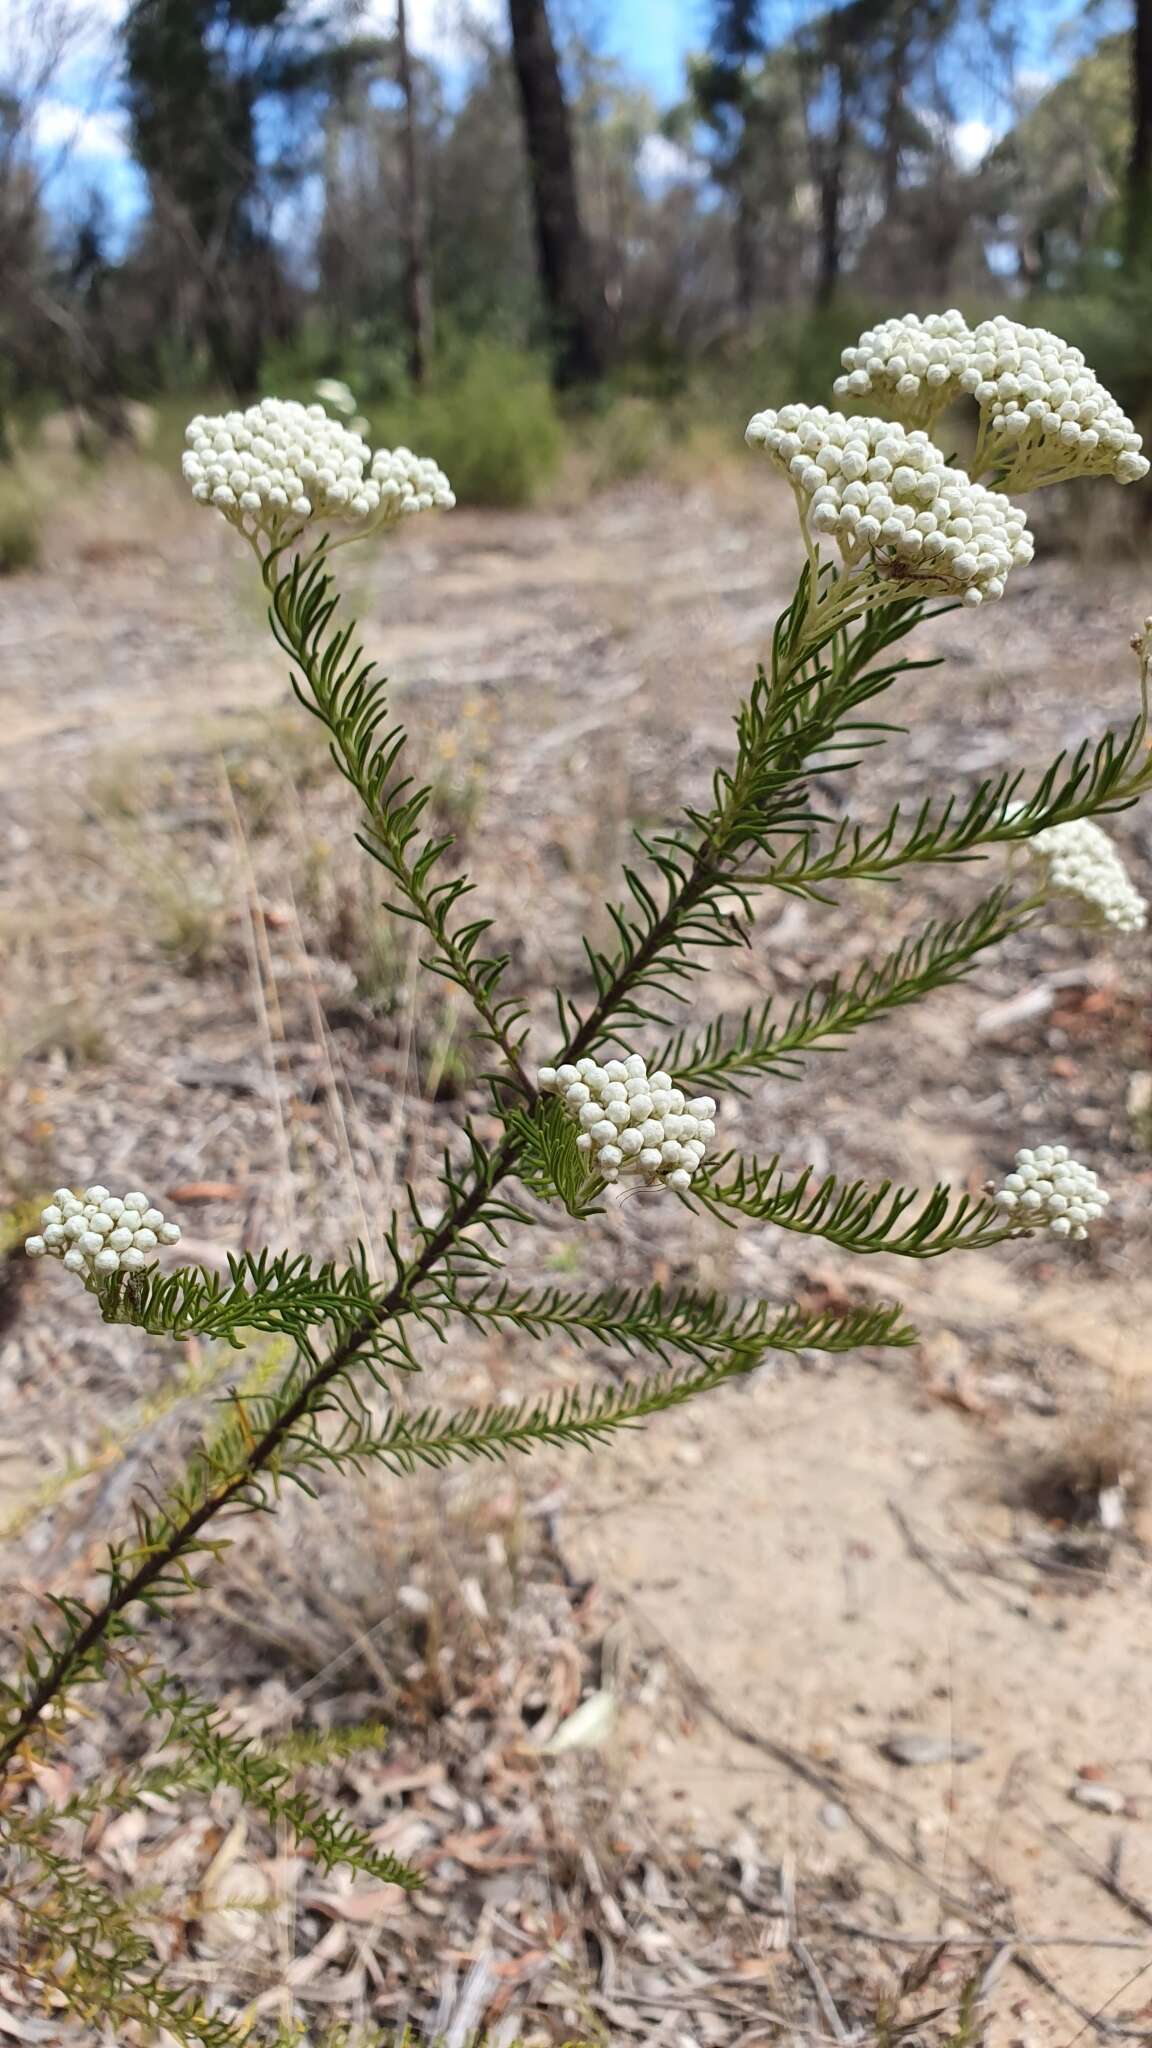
<point x="894" y="117"/>
<point x="234" y="330"/>
<point x="832" y="197"/>
<point x="1139" y="225"/>
<point x="563" y="252"/>
<point x="417" y="283"/>
<point x="726" y="86"/>
<point x="332" y="243"/>
<point x="744" y="249"/>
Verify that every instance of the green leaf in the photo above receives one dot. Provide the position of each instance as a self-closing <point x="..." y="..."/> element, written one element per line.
<point x="853" y="1214"/>
<point x="1094" y="781"/>
<point x="80" y="1942"/>
<point x="729" y="1052"/>
<point x="797" y="720"/>
<point x="435" y="1439"/>
<point x="281" y="1293"/>
<point x="339" y="686"/>
<point x="549" y="1163"/>
<point x="696" y="1325"/>
<point x="265" y="1780"/>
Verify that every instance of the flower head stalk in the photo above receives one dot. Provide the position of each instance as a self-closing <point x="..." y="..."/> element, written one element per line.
<point x="1141" y="644"/>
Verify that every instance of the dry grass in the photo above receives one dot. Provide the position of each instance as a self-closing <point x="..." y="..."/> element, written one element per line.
<point x="189" y="916"/>
<point x="1097" y="1476"/>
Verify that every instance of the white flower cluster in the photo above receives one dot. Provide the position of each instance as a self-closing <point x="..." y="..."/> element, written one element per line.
<point x="1051" y="1189"/>
<point x="888" y="493"/>
<point x="410" y="483"/>
<point x="101" y="1234"/>
<point x="278" y="465"/>
<point x="1081" y="861"/>
<point x="1043" y="411"/>
<point x="633" y="1122"/>
<point x="1047" y="409"/>
<point x="916" y="366"/>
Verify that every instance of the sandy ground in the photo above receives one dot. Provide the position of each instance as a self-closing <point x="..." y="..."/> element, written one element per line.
<point x="946" y="1551"/>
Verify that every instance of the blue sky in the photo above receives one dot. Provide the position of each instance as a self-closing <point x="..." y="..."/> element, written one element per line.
<point x="82" y="137"/>
<point x="654" y="36"/>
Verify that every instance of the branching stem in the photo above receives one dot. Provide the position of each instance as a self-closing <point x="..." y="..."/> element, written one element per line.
<point x="263" y="1453"/>
<point x="342" y="690"/>
<point x="428" y="904"/>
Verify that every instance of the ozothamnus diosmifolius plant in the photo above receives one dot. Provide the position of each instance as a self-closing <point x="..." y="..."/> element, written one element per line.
<point x="624" y="1094"/>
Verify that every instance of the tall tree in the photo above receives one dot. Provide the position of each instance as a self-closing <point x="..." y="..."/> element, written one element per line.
<point x="868" y="69"/>
<point x="724" y="87"/>
<point x="567" y="273"/>
<point x="897" y="67"/>
<point x="833" y="164"/>
<point x="1139" y="224"/>
<point x="417" y="282"/>
<point x="480" y="212"/>
<point x="199" y="73"/>
<point x="1055" y="183"/>
<point x="828" y="49"/>
<point x="46" y="338"/>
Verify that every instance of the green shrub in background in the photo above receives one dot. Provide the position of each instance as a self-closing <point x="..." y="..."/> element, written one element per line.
<point x="19" y="526"/>
<point x="630" y="436"/>
<point x="489" y="419"/>
<point x="790" y="357"/>
<point x="798" y="356"/>
<point x="370" y="359"/>
<point x="172" y="410"/>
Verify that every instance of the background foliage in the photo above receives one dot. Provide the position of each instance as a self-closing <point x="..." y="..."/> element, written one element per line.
<point x="300" y="168"/>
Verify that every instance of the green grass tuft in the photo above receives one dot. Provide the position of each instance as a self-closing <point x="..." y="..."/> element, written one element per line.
<point x="19" y="527"/>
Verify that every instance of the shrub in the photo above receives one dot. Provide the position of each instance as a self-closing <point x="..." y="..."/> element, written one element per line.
<point x="629" y="439"/>
<point x="19" y="527"/>
<point x="490" y="420"/>
<point x="891" y="532"/>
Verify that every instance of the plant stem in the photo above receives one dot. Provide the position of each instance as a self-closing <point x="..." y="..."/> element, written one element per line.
<point x="263" y="1452"/>
<point x="705" y="871"/>
<point x="400" y="868"/>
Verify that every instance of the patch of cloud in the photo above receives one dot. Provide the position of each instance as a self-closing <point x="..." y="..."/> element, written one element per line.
<point x="966" y="142"/>
<point x="1033" y="80"/>
<point x="440" y="30"/>
<point x="661" y="163"/>
<point x="971" y="141"/>
<point x="59" y="127"/>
